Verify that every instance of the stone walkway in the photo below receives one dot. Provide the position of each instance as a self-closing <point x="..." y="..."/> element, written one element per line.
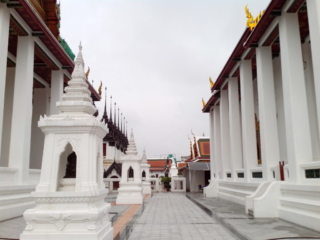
<point x="173" y="216"/>
<point x="233" y="217"/>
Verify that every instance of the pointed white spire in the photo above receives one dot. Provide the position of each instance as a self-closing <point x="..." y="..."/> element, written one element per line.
<point x="132" y="150"/>
<point x="77" y="98"/>
<point x="144" y="156"/>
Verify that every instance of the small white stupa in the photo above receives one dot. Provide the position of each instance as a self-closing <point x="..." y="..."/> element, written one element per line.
<point x="70" y="195"/>
<point x="145" y="173"/>
<point x="173" y="169"/>
<point x="130" y="191"/>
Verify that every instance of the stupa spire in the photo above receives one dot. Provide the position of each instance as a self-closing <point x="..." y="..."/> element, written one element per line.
<point x="77" y="97"/>
<point x="131" y="150"/>
<point x="144" y="156"/>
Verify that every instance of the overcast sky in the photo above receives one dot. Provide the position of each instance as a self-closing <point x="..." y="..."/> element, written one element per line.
<point x="155" y="57"/>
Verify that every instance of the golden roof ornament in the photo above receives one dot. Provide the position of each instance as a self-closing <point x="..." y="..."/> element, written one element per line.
<point x="211" y="82"/>
<point x="100" y="88"/>
<point x="87" y="73"/>
<point x="203" y="103"/>
<point x="251" y="22"/>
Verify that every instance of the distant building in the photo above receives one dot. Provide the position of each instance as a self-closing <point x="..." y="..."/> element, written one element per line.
<point x="196" y="169"/>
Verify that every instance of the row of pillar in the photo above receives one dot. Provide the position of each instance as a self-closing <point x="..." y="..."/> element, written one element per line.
<point x="232" y="121"/>
<point x="16" y="95"/>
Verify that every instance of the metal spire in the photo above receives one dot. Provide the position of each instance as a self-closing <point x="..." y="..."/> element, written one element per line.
<point x="121" y="124"/>
<point x="115" y="114"/>
<point x="118" y="119"/>
<point x="111" y="108"/>
<point x="124" y="125"/>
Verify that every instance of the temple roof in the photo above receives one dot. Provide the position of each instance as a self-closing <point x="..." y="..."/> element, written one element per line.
<point x="246" y="46"/>
<point x="114" y="166"/>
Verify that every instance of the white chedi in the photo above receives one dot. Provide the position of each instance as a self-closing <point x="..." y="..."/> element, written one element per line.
<point x="145" y="173"/>
<point x="130" y="191"/>
<point x="71" y="208"/>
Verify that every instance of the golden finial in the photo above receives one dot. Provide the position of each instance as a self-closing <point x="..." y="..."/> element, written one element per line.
<point x="100" y="88"/>
<point x="203" y="135"/>
<point x="252" y="23"/>
<point x="87" y="73"/>
<point x="203" y="103"/>
<point x="211" y="82"/>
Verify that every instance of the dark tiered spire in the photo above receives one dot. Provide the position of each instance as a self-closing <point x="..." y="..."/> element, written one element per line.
<point x="121" y="123"/>
<point x="115" y="114"/>
<point x="111" y="109"/>
<point x="105" y="115"/>
<point x="118" y="119"/>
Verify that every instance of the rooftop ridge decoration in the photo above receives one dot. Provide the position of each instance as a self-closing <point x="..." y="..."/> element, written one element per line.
<point x="203" y="103"/>
<point x="211" y="83"/>
<point x="252" y="23"/>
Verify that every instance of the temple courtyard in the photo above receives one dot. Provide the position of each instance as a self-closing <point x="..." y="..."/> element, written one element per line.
<point x="184" y="216"/>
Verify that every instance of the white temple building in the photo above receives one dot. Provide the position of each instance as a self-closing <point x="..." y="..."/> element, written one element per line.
<point x="35" y="65"/>
<point x="264" y="116"/>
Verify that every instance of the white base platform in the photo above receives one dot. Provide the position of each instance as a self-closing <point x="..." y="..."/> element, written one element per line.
<point x="14" y="200"/>
<point x="146" y="187"/>
<point x="129" y="193"/>
<point x="105" y="233"/>
<point x="212" y="189"/>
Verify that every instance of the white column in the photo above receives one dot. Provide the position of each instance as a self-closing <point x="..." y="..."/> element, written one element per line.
<point x="217" y="143"/>
<point x="212" y="159"/>
<point x="40" y="100"/>
<point x="7" y="117"/>
<point x="270" y="152"/>
<point x="225" y="134"/>
<point x="4" y="38"/>
<point x="249" y="141"/>
<point x="294" y="94"/>
<point x="314" y="28"/>
<point x="56" y="90"/>
<point x="22" y="109"/>
<point x="235" y="126"/>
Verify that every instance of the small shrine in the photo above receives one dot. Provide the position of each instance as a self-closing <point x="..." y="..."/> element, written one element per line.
<point x="145" y="174"/>
<point x="130" y="191"/>
<point x="70" y="195"/>
<point x="173" y="169"/>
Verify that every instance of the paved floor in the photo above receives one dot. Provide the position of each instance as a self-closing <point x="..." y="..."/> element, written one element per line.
<point x="233" y="216"/>
<point x="173" y="216"/>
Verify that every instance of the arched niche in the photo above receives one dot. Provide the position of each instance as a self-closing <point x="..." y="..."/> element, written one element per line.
<point x="143" y="174"/>
<point x="67" y="169"/>
<point x="130" y="174"/>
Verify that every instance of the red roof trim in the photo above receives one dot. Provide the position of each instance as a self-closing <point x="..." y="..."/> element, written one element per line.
<point x="245" y="41"/>
<point x="47" y="32"/>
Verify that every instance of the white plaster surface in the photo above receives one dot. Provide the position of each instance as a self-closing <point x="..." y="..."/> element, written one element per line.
<point x="71" y="208"/>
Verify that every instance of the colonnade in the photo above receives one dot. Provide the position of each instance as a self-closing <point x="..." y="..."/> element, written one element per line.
<point x="285" y="85"/>
<point x="21" y="104"/>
